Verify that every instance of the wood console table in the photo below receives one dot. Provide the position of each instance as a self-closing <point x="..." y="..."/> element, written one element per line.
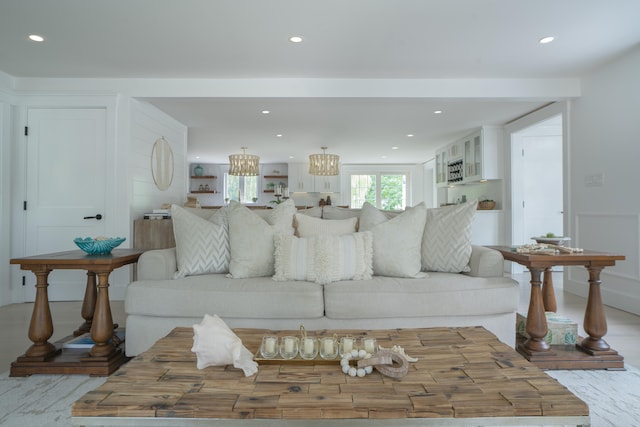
<point x="593" y="352"/>
<point x="44" y="357"/>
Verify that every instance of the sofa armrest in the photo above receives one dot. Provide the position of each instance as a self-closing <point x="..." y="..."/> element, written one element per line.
<point x="157" y="264"/>
<point x="486" y="262"/>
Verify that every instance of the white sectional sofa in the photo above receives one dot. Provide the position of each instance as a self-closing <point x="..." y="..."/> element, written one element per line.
<point x="294" y="288"/>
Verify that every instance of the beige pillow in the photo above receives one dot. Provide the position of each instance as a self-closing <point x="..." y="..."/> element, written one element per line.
<point x="325" y="258"/>
<point x="202" y="246"/>
<point x="396" y="241"/>
<point x="446" y="244"/>
<point x="251" y="238"/>
<point x="307" y="226"/>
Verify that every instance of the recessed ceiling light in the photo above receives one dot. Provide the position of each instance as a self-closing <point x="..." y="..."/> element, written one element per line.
<point x="394" y="148"/>
<point x="546" y="40"/>
<point x="291" y="157"/>
<point x="409" y="135"/>
<point x="279" y="135"/>
<point x="295" y="39"/>
<point x="437" y="112"/>
<point x="265" y="111"/>
<point x="383" y="157"/>
<point x="36" y="38"/>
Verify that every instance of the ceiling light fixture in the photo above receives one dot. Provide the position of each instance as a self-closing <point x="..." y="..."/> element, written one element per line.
<point x="546" y="40"/>
<point x="409" y="135"/>
<point x="394" y="148"/>
<point x="265" y="111"/>
<point x="36" y="38"/>
<point x="324" y="164"/>
<point x="244" y="164"/>
<point x="437" y="112"/>
<point x="295" y="39"/>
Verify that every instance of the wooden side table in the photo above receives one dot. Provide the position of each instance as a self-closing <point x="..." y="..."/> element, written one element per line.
<point x="106" y="355"/>
<point x="593" y="351"/>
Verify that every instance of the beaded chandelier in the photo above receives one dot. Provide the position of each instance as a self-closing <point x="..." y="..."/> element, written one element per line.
<point x="244" y="164"/>
<point x="324" y="164"/>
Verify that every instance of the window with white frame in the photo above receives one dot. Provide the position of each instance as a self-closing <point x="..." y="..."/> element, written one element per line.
<point x="243" y="189"/>
<point x="383" y="190"/>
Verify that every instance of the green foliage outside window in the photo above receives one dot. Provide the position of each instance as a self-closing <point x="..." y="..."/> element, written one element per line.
<point x="392" y="194"/>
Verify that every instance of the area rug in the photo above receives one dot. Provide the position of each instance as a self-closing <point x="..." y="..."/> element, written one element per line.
<point x="45" y="400"/>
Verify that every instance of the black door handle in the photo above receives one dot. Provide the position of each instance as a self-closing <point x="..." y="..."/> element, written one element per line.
<point x="98" y="217"/>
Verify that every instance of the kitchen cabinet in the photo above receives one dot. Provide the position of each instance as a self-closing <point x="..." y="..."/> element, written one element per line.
<point x="483" y="155"/>
<point x="301" y="181"/>
<point x="441" y="167"/>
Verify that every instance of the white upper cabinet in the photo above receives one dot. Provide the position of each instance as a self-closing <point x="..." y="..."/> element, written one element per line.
<point x="483" y="154"/>
<point x="299" y="178"/>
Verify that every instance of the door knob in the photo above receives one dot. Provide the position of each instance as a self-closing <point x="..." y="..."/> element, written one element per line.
<point x="98" y="217"/>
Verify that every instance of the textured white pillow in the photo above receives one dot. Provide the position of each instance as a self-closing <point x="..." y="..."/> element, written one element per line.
<point x="202" y="246"/>
<point x="446" y="244"/>
<point x="396" y="241"/>
<point x="307" y="226"/>
<point x="324" y="259"/>
<point x="251" y="238"/>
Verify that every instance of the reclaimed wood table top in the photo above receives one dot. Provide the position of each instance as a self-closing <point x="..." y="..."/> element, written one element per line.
<point x="462" y="373"/>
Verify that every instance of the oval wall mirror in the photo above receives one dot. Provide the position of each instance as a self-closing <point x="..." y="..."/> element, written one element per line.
<point x="162" y="164"/>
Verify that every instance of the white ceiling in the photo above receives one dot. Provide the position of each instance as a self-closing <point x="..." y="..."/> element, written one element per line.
<point x="343" y="39"/>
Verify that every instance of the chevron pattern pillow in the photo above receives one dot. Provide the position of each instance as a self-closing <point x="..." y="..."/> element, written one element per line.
<point x="446" y="243"/>
<point x="202" y="246"/>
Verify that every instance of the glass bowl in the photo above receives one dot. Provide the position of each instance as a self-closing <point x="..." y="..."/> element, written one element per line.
<point x="98" y="246"/>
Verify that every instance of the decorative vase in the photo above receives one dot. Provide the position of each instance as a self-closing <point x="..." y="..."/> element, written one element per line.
<point x="197" y="171"/>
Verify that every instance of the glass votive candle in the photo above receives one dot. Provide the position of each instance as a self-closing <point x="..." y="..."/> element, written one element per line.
<point x="289" y="347"/>
<point x="369" y="345"/>
<point x="328" y="348"/>
<point x="347" y="343"/>
<point x="308" y="348"/>
<point x="269" y="347"/>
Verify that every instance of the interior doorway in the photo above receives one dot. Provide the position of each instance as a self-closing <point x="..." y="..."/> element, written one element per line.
<point x="537" y="181"/>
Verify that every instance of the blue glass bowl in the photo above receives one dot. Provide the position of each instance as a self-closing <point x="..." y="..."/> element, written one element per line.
<point x="96" y="247"/>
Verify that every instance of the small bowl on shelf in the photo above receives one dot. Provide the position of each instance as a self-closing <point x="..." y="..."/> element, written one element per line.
<point x="558" y="241"/>
<point x="98" y="245"/>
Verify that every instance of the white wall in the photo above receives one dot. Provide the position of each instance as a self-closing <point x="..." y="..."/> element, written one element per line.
<point x="147" y="125"/>
<point x="605" y="133"/>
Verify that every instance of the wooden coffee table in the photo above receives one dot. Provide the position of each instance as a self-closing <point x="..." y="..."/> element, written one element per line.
<point x="463" y="376"/>
<point x="43" y="357"/>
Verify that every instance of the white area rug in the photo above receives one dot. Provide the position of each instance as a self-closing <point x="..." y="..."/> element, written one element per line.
<point x="45" y="400"/>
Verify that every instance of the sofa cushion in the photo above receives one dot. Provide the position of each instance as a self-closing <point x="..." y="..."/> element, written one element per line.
<point x="446" y="244"/>
<point x="440" y="294"/>
<point x="396" y="241"/>
<point x="248" y="298"/>
<point x="202" y="246"/>
<point x="325" y="258"/>
<point x="251" y="238"/>
<point x="307" y="226"/>
<point x="335" y="212"/>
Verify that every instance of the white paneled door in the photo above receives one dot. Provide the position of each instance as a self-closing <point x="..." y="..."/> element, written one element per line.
<point x="65" y="175"/>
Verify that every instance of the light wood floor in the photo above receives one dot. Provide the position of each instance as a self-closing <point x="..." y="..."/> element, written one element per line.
<point x="623" y="328"/>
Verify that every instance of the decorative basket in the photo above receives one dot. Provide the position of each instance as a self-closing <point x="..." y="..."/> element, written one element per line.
<point x="97" y="247"/>
<point x="486" y="205"/>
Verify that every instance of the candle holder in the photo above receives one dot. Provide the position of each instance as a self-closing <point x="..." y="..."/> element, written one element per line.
<point x="369" y="345"/>
<point x="308" y="348"/>
<point x="269" y="347"/>
<point x="328" y="348"/>
<point x="289" y="347"/>
<point x="347" y="343"/>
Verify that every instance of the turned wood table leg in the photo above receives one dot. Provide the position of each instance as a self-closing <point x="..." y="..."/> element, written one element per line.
<point x="41" y="326"/>
<point x="536" y="321"/>
<point x="88" y="304"/>
<point x="548" y="293"/>
<point x="102" y="328"/>
<point x="595" y="323"/>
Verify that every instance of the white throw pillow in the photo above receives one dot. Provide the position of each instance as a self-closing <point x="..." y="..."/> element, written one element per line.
<point x="202" y="246"/>
<point x="307" y="226"/>
<point x="251" y="238"/>
<point x="446" y="244"/>
<point x="324" y="259"/>
<point x="396" y="241"/>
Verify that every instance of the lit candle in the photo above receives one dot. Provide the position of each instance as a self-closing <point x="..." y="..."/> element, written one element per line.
<point x="288" y="345"/>
<point x="270" y="345"/>
<point x="286" y="191"/>
<point x="308" y="346"/>
<point x="347" y="345"/>
<point x="328" y="346"/>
